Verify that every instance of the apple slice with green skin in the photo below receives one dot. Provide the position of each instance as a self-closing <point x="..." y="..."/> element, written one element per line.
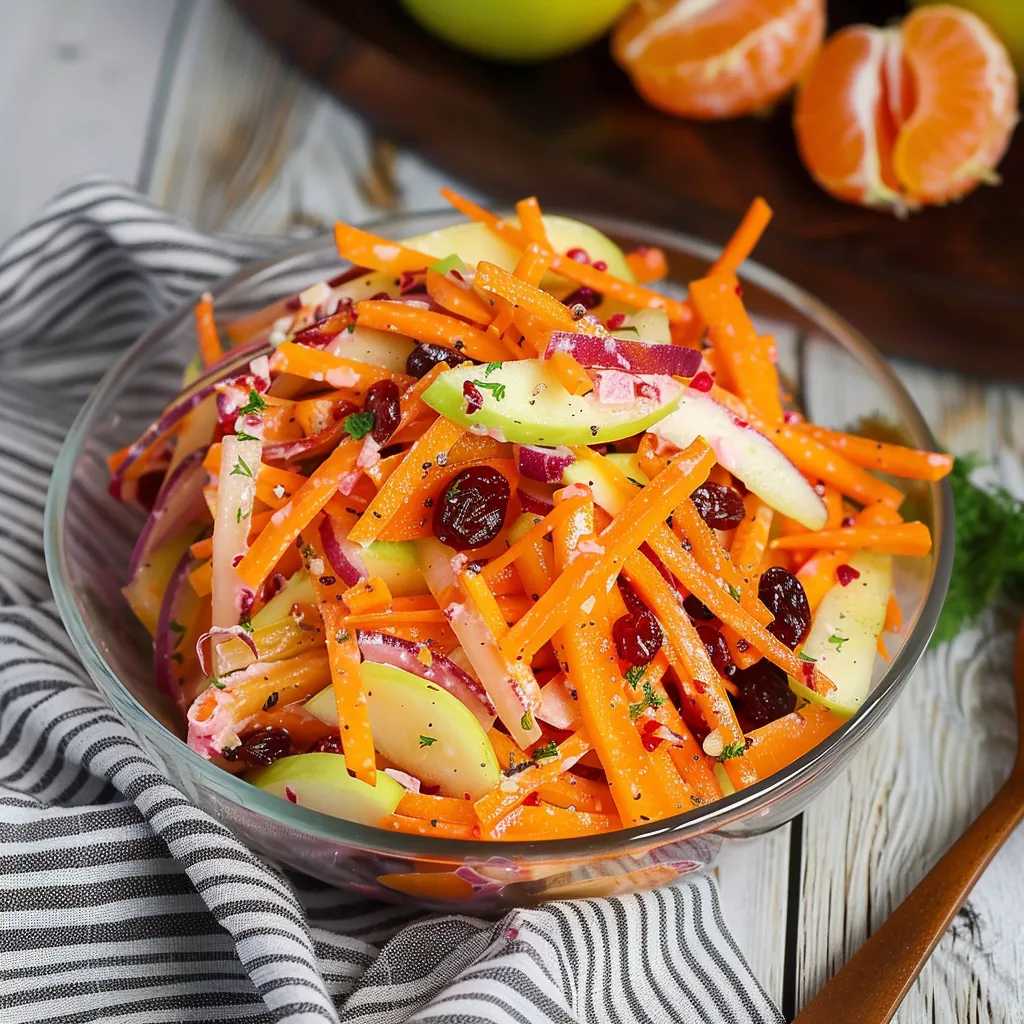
<point x="321" y="782"/>
<point x="524" y="402"/>
<point x="746" y="453"/>
<point x="423" y="729"/>
<point x="397" y="563"/>
<point x="378" y="348"/>
<point x="844" y="634"/>
<point x="297" y="590"/>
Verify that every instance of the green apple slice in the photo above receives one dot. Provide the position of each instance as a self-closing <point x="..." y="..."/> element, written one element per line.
<point x="423" y="729"/>
<point x="321" y="782"/>
<point x="297" y="590"/>
<point x="524" y="402"/>
<point x="397" y="563"/>
<point x="845" y="631"/>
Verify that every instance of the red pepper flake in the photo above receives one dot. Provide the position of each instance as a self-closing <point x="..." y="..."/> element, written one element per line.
<point x="846" y="574"/>
<point x="808" y="671"/>
<point x="615" y="321"/>
<point x="291" y="795"/>
<point x="739" y="290"/>
<point x="703" y="381"/>
<point x="648" y="736"/>
<point x="849" y="521"/>
<point x="579" y="255"/>
<point x="740" y="423"/>
<point x="791" y="417"/>
<point x="698" y="685"/>
<point x="474" y="400"/>
<point x="533" y="800"/>
<point x="600" y="265"/>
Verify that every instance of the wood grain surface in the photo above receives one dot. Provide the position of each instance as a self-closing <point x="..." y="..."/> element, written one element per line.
<point x="221" y="132"/>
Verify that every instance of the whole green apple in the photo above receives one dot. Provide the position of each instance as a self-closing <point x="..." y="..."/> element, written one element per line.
<point x="517" y="30"/>
<point x="1006" y="17"/>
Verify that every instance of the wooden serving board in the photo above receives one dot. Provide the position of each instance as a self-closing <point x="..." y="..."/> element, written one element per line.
<point x="942" y="286"/>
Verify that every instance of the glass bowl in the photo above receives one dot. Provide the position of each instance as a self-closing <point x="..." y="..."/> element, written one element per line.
<point x="89" y="537"/>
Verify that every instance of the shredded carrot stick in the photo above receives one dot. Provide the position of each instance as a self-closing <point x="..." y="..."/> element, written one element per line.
<point x="582" y="273"/>
<point x="544" y="821"/>
<point x="407" y="480"/>
<point x="447" y="808"/>
<point x="531" y="221"/>
<point x="893" y="616"/>
<point x="744" y="238"/>
<point x="429" y="827"/>
<point x="885" y="458"/>
<point x="682" y="636"/>
<point x="834" y="504"/>
<point x="913" y="539"/>
<point x="570" y="374"/>
<point x="310" y="498"/>
<point x="738" y="345"/>
<point x="316" y="364"/>
<point x="210" y="349"/>
<point x="494" y="280"/>
<point x="537" y="532"/>
<point x="779" y="743"/>
<point x="704" y="585"/>
<point x="201" y="578"/>
<point x="533" y="264"/>
<point x="343" y="655"/>
<point x="625" y="534"/>
<point x="647" y="264"/>
<point x="429" y="326"/>
<point x="514" y="789"/>
<point x="362" y="249"/>
<point x="648" y="458"/>
<point x="458" y="299"/>
<point x="368" y="597"/>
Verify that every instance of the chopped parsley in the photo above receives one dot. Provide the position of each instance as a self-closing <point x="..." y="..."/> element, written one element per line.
<point x="737" y="749"/>
<point x="650" y="700"/>
<point x="427" y="741"/>
<point x="546" y="752"/>
<point x="254" y="405"/>
<point x="805" y="657"/>
<point x="238" y="514"/>
<point x="243" y="436"/>
<point x="176" y="627"/>
<point x="359" y="424"/>
<point x="490" y="368"/>
<point x="351" y="328"/>
<point x="216" y="682"/>
<point x="246" y="624"/>
<point x="241" y="468"/>
<point x="634" y="674"/>
<point x="838" y="641"/>
<point x="496" y="388"/>
<point x="733" y="592"/>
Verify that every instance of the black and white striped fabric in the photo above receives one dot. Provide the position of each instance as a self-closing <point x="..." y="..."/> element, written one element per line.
<point x="122" y="901"/>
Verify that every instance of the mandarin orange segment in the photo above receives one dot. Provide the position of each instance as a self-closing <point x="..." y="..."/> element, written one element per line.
<point x="965" y="103"/>
<point x="912" y="115"/>
<point x="717" y="58"/>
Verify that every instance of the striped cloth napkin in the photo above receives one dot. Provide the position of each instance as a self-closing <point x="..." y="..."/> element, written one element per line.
<point x="122" y="901"/>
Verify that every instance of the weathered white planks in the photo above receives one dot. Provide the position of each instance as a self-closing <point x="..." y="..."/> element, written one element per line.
<point x="77" y="79"/>
<point x="239" y="142"/>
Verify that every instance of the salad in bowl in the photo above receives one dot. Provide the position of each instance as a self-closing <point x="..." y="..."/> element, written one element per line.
<point x="487" y="538"/>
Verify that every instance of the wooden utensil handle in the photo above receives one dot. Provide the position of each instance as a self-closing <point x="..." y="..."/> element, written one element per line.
<point x="870" y="988"/>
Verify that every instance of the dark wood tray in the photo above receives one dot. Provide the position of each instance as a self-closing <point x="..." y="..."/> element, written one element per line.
<point x="945" y="286"/>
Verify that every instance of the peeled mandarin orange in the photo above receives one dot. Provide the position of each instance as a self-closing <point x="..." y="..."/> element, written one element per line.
<point x="717" y="58"/>
<point x="907" y="116"/>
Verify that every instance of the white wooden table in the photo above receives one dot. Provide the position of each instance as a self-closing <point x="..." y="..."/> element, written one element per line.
<point x="179" y="97"/>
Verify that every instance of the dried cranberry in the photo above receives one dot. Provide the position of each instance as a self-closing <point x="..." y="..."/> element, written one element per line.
<point x="471" y="510"/>
<point x="718" y="650"/>
<point x="638" y="637"/>
<point x="329" y="744"/>
<point x="579" y="255"/>
<point x="474" y="400"/>
<point x="846" y="574"/>
<point x="764" y="694"/>
<point x="719" y="506"/>
<point x="382" y="400"/>
<point x="423" y="358"/>
<point x="702" y="381"/>
<point x="697" y="609"/>
<point x="600" y="265"/>
<point x="615" y="321"/>
<point x="784" y="596"/>
<point x="263" y="748"/>
<point x="583" y="296"/>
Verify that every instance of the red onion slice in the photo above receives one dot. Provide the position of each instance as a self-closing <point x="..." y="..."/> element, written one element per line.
<point x="164" y="639"/>
<point x="179" y="502"/>
<point x="544" y="464"/>
<point x="557" y="705"/>
<point x="535" y="499"/>
<point x="343" y="555"/>
<point x="404" y="779"/>
<point x="623" y="354"/>
<point x="302" y="448"/>
<point x="224" y="633"/>
<point x="392" y="650"/>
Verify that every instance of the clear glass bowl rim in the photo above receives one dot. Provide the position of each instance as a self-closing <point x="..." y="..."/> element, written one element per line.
<point x="626" y="841"/>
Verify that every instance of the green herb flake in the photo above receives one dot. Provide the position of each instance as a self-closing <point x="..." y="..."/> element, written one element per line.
<point x="254" y="405"/>
<point x="490" y="368"/>
<point x="239" y="516"/>
<point x="650" y="700"/>
<point x="634" y="674"/>
<point x="351" y="328"/>
<point x="805" y="657"/>
<point x="241" y="468"/>
<point x="427" y="741"/>
<point x="246" y="624"/>
<point x="216" y="682"/>
<point x="246" y="437"/>
<point x="545" y="752"/>
<point x="359" y="424"/>
<point x="837" y="641"/>
<point x="176" y="627"/>
<point x="733" y="592"/>
<point x="737" y="749"/>
<point x="496" y="388"/>
<point x="342" y="636"/>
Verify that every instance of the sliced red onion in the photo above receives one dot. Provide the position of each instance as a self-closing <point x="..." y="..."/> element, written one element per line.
<point x="343" y="555"/>
<point x="558" y="708"/>
<point x="369" y="454"/>
<point x="179" y="502"/>
<point x="165" y="638"/>
<point x="224" y="633"/>
<point x="306" y="447"/>
<point x="392" y="650"/>
<point x="624" y="354"/>
<point x="185" y="403"/>
<point x="534" y="498"/>
<point x="404" y="779"/>
<point x="544" y="464"/>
